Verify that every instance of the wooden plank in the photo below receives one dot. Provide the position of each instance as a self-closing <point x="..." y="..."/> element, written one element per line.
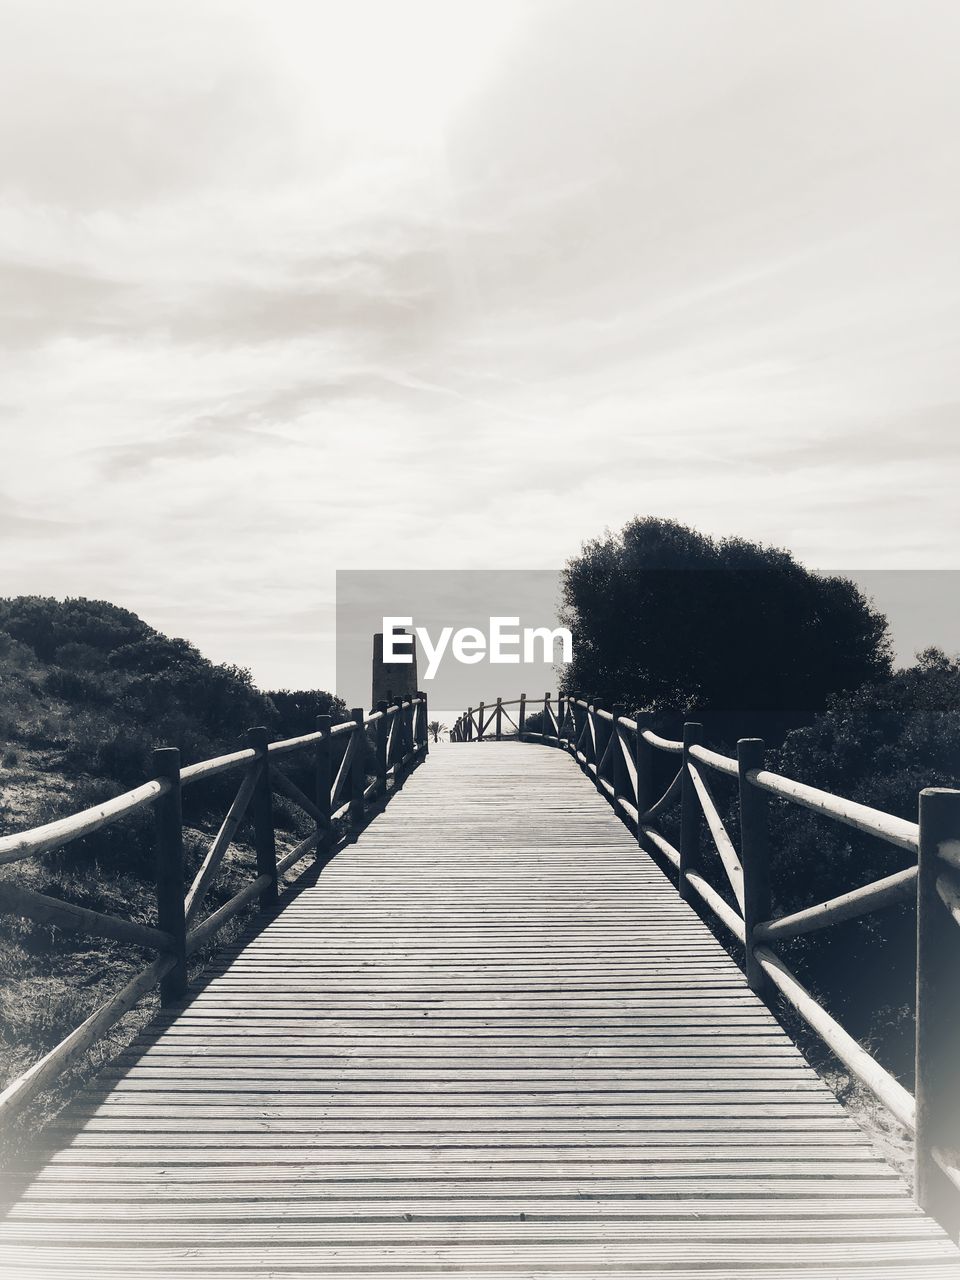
<point x="24" y="844"/>
<point x="846" y="906"/>
<point x="724" y="845"/>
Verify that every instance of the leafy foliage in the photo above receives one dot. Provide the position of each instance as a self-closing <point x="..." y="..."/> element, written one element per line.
<point x="298" y="709"/>
<point x="671" y="621"/>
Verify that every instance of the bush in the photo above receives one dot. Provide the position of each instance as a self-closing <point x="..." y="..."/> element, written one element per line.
<point x="79" y="686"/>
<point x="297" y="710"/>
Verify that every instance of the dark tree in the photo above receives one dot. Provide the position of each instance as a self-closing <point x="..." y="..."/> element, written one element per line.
<point x="739" y="635"/>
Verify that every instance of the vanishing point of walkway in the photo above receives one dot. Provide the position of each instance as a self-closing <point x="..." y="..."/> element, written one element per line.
<point x="490" y="1039"/>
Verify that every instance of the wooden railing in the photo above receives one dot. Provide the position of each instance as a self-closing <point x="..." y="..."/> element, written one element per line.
<point x="617" y="753"/>
<point x="341" y="792"/>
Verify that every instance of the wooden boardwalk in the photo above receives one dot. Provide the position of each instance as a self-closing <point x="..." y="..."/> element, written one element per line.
<point x="490" y="1039"/>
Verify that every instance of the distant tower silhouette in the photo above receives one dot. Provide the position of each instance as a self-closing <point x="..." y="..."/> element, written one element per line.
<point x="398" y="678"/>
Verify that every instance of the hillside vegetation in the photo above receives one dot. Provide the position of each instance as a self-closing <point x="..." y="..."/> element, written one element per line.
<point x="87" y="690"/>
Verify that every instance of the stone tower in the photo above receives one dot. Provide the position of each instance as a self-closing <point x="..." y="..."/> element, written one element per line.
<point x="398" y="678"/>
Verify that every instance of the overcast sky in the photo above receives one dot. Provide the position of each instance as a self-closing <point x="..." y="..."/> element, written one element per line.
<point x="291" y="287"/>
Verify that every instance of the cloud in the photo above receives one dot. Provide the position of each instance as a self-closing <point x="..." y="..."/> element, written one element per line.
<point x="15" y="522"/>
<point x="284" y="297"/>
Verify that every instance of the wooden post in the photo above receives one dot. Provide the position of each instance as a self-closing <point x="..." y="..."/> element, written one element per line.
<point x="691" y="815"/>
<point x="469" y="724"/>
<point x="499" y="719"/>
<point x="424" y="722"/>
<point x="168" y="817"/>
<point x="261" y="811"/>
<point x="603" y="737"/>
<point x="618" y="770"/>
<point x="547" y="726"/>
<point x="938" y="1026"/>
<point x="406" y="719"/>
<point x="643" y="758"/>
<point x="480" y="723"/>
<point x="322" y="784"/>
<point x="383" y="733"/>
<point x="577" y="717"/>
<point x="358" y="769"/>
<point x="754" y="854"/>
<point x="522" y="717"/>
<point x="399" y="769"/>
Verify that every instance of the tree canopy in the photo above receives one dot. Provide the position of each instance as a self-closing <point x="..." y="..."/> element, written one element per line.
<point x="741" y="635"/>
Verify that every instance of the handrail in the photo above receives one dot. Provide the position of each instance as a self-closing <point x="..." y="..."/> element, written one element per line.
<point x="219" y="764"/>
<point x="401" y="744"/>
<point x="714" y="760"/>
<point x="53" y="835"/>
<point x="874" y="822"/>
<point x="297" y="744"/>
<point x="24" y="844"/>
<point x="623" y="775"/>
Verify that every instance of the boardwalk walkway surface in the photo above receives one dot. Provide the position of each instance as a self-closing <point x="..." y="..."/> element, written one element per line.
<point x="490" y="1039"/>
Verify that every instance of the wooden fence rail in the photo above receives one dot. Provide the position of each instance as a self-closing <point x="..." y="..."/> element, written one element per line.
<point x="401" y="736"/>
<point x="617" y="753"/>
